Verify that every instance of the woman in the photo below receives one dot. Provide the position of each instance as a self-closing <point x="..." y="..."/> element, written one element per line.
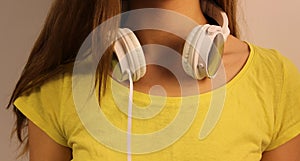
<point x="259" y="121"/>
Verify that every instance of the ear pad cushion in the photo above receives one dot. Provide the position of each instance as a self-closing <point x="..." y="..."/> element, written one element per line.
<point x="199" y="64"/>
<point x="139" y="54"/>
<point x="192" y="62"/>
<point x="188" y="47"/>
<point x="119" y="73"/>
<point x="129" y="50"/>
<point x="134" y="53"/>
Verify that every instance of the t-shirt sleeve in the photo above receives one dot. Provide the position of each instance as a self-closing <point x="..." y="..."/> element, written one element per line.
<point x="42" y="107"/>
<point x="287" y="112"/>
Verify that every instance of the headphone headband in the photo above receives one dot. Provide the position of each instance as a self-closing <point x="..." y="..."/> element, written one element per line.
<point x="214" y="11"/>
<point x="210" y="9"/>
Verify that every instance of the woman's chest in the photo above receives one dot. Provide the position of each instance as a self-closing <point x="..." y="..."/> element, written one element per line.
<point x="240" y="134"/>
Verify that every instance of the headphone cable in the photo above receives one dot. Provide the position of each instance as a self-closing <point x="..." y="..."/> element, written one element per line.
<point x="129" y="115"/>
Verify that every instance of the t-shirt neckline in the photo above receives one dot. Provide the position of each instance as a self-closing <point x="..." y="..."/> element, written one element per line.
<point x="123" y="90"/>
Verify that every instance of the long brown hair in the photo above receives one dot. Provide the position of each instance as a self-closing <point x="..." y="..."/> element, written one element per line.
<point x="67" y="25"/>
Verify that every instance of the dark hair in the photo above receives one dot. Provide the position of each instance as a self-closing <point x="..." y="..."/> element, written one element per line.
<point x="66" y="27"/>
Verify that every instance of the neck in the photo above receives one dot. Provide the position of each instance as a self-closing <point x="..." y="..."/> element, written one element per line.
<point x="188" y="9"/>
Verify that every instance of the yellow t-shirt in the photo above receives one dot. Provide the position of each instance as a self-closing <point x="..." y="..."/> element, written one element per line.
<point x="261" y="112"/>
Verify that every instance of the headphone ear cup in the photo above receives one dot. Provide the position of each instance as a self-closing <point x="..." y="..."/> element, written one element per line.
<point x="192" y="62"/>
<point x="129" y="50"/>
<point x="202" y="53"/>
<point x="123" y="64"/>
<point x="138" y="54"/>
<point x="199" y="64"/>
<point x="130" y="54"/>
<point x="187" y="50"/>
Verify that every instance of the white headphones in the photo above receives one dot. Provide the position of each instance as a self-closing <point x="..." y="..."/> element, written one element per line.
<point x="202" y="52"/>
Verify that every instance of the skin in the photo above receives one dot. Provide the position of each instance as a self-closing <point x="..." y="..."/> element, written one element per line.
<point x="235" y="55"/>
<point x="43" y="148"/>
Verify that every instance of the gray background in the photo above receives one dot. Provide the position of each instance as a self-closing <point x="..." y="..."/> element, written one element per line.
<point x="267" y="23"/>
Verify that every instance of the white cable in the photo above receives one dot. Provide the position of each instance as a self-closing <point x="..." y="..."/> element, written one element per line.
<point x="129" y="115"/>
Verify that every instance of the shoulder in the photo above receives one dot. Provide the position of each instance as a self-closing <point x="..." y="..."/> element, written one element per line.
<point x="270" y="68"/>
<point x="272" y="57"/>
<point x="51" y="92"/>
<point x="261" y="67"/>
<point x="60" y="81"/>
<point x="272" y="63"/>
<point x="258" y="63"/>
<point x="250" y="53"/>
